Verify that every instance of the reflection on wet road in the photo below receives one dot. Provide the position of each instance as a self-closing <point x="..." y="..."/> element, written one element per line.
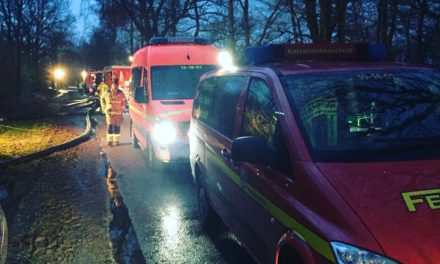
<point x="125" y="243"/>
<point x="163" y="211"/>
<point x="171" y="232"/>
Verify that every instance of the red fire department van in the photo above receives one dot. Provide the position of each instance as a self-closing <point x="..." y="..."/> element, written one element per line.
<point x="91" y="81"/>
<point x="88" y="81"/>
<point x="120" y="72"/>
<point x="164" y="75"/>
<point x="321" y="154"/>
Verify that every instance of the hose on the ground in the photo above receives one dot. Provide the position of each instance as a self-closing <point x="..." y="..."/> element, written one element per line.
<point x="71" y="143"/>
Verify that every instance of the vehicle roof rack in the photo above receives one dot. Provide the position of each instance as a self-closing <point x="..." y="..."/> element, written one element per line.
<point x="316" y="52"/>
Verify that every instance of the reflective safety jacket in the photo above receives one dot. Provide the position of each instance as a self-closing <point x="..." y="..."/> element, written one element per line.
<point x="102" y="88"/>
<point x="113" y="104"/>
<point x="100" y="91"/>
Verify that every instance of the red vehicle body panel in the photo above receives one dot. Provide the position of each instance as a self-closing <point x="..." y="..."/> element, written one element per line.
<point x="375" y="194"/>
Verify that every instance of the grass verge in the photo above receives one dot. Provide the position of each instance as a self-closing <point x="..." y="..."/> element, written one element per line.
<point x="20" y="138"/>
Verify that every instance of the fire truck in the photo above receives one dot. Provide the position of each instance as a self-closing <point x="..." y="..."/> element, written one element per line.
<point x="91" y="81"/>
<point x="88" y="81"/>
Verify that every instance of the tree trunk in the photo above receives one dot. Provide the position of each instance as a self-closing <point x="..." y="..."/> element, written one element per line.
<point x="246" y="26"/>
<point x="392" y="28"/>
<point x="341" y="9"/>
<point x="293" y="22"/>
<point x="408" y="34"/>
<point x="18" y="48"/>
<point x="312" y="20"/>
<point x="326" y="24"/>
<point x="420" y="55"/>
<point x="231" y="26"/>
<point x="174" y="21"/>
<point x="382" y="21"/>
<point x="197" y="18"/>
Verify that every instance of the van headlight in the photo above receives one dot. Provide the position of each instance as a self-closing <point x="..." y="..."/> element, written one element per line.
<point x="346" y="254"/>
<point x="164" y="133"/>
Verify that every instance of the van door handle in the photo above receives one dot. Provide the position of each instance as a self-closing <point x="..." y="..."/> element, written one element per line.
<point x="226" y="153"/>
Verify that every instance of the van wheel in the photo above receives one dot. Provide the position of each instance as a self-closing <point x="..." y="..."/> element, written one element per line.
<point x="152" y="161"/>
<point x="207" y="216"/>
<point x="134" y="140"/>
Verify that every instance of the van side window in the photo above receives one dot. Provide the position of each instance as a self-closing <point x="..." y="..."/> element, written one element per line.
<point x="202" y="100"/>
<point x="259" y="114"/>
<point x="216" y="102"/>
<point x="136" y="75"/>
<point x="260" y="120"/>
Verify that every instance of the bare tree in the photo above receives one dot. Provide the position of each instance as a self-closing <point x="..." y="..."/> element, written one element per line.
<point x="196" y="18"/>
<point x="331" y="16"/>
<point x="30" y="27"/>
<point x="231" y="25"/>
<point x="294" y="21"/>
<point x="12" y="14"/>
<point x="155" y="17"/>
<point x="246" y="26"/>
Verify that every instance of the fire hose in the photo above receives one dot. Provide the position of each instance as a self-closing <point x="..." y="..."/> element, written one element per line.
<point x="71" y="143"/>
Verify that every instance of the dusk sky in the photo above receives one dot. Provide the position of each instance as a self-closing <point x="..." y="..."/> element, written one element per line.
<point x="84" y="15"/>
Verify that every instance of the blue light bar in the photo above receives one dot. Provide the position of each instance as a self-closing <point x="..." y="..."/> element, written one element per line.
<point x="317" y="52"/>
<point x="264" y="54"/>
<point x="178" y="40"/>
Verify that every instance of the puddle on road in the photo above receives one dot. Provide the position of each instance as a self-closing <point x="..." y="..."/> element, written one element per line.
<point x="126" y="247"/>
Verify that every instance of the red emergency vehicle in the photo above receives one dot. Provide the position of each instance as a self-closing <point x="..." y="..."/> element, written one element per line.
<point x="321" y="154"/>
<point x="164" y="75"/>
<point x="88" y="81"/>
<point x="91" y="81"/>
<point x="120" y="72"/>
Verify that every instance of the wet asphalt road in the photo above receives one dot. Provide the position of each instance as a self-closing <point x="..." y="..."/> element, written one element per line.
<point x="163" y="210"/>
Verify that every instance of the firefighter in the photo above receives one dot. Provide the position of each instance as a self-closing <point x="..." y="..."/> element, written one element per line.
<point x="100" y="91"/>
<point x="113" y="104"/>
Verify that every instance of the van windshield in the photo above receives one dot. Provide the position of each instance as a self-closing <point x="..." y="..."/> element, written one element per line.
<point x="368" y="116"/>
<point x="176" y="82"/>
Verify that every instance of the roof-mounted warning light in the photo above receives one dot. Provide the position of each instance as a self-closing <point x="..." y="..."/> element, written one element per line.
<point x="178" y="40"/>
<point x="318" y="52"/>
<point x="226" y="62"/>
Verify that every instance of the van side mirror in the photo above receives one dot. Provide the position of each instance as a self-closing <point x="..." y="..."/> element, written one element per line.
<point x="252" y="149"/>
<point x="140" y="96"/>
